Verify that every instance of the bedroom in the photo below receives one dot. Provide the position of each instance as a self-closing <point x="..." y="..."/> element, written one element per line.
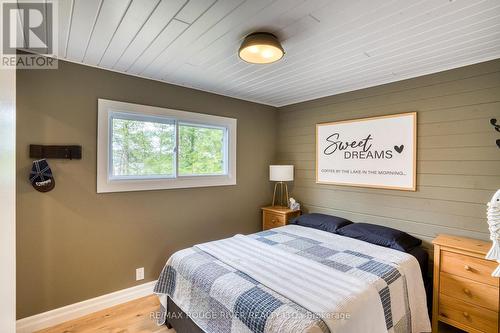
<point x="160" y="132"/>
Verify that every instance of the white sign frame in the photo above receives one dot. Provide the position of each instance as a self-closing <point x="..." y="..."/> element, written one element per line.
<point x="386" y="140"/>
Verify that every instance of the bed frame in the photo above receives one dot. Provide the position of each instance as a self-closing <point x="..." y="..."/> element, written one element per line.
<point x="179" y="320"/>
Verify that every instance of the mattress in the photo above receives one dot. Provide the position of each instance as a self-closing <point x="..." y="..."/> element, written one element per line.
<point x="422" y="257"/>
<point x="423" y="260"/>
<point x="232" y="286"/>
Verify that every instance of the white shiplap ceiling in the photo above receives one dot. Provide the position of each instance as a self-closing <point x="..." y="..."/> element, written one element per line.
<point x="332" y="46"/>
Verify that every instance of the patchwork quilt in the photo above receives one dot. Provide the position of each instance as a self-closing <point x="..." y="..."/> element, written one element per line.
<point x="295" y="279"/>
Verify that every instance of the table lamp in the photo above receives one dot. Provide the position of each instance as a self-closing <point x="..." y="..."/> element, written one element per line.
<point x="281" y="174"/>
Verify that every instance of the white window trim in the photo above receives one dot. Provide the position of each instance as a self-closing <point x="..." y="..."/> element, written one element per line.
<point x="106" y="184"/>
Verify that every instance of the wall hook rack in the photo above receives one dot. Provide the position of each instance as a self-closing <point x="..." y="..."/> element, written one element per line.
<point x="493" y="122"/>
<point x="64" y="152"/>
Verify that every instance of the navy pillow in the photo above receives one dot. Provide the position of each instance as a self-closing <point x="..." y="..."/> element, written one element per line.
<point x="380" y="235"/>
<point x="321" y="221"/>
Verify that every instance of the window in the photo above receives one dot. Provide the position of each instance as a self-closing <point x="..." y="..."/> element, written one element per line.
<point x="150" y="148"/>
<point x="201" y="150"/>
<point x="141" y="147"/>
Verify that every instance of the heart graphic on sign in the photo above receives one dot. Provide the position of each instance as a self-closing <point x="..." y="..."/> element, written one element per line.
<point x="399" y="149"/>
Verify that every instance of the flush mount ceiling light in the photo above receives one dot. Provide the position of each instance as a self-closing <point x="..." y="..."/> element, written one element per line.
<point x="261" y="48"/>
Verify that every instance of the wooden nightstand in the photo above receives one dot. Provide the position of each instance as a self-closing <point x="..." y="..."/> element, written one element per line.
<point x="465" y="294"/>
<point x="276" y="216"/>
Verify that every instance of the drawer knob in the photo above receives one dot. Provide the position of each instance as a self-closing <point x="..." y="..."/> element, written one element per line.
<point x="467" y="292"/>
<point x="467" y="268"/>
<point x="273" y="220"/>
<point x="466" y="314"/>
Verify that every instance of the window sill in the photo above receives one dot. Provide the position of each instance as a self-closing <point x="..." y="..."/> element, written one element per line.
<point x="127" y="185"/>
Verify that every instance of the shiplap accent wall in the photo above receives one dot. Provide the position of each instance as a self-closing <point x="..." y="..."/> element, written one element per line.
<point x="458" y="167"/>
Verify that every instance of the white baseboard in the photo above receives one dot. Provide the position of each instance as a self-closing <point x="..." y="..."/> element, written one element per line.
<point x="72" y="311"/>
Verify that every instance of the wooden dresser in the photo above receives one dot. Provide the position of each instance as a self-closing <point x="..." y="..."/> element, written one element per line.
<point x="465" y="294"/>
<point x="277" y="216"/>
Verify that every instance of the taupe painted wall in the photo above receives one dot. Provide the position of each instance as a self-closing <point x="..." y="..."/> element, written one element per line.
<point x="458" y="167"/>
<point x="74" y="244"/>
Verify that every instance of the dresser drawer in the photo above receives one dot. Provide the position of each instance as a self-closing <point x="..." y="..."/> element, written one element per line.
<point x="469" y="267"/>
<point x="273" y="220"/>
<point x="470" y="291"/>
<point x="461" y="312"/>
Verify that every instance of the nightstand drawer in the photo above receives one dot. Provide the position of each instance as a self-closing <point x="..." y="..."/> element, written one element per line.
<point x="465" y="294"/>
<point x="455" y="311"/>
<point x="277" y="216"/>
<point x="468" y="267"/>
<point x="273" y="220"/>
<point x="469" y="291"/>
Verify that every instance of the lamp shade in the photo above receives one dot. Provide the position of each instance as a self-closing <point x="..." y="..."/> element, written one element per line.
<point x="261" y="48"/>
<point x="281" y="173"/>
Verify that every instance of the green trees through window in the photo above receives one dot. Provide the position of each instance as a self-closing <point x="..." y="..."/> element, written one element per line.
<point x="142" y="148"/>
<point x="200" y="150"/>
<point x="147" y="148"/>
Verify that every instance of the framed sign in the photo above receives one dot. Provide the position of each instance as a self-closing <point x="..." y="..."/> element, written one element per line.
<point x="378" y="152"/>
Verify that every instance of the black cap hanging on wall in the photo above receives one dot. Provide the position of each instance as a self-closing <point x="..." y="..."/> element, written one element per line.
<point x="41" y="177"/>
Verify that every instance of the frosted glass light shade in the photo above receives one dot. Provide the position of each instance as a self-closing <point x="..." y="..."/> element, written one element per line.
<point x="261" y="48"/>
<point x="281" y="173"/>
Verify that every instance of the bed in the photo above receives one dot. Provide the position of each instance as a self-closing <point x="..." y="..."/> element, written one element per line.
<point x="293" y="279"/>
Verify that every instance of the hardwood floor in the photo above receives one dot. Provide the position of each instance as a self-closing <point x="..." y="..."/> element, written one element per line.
<point x="130" y="317"/>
